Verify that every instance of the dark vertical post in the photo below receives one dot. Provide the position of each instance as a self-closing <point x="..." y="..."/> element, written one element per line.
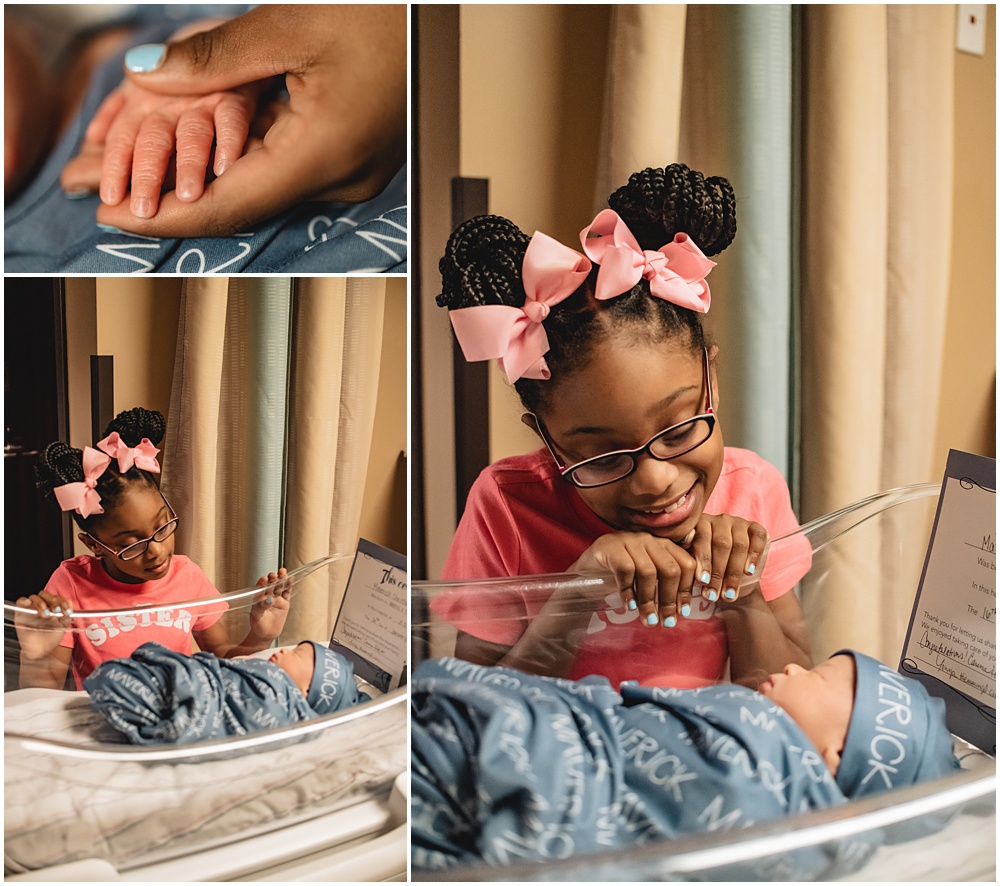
<point x="469" y="197"/>
<point x="102" y="393"/>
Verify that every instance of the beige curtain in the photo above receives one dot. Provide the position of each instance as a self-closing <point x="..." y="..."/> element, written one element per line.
<point x="642" y="97"/>
<point x="338" y="332"/>
<point x="318" y="379"/>
<point x="875" y="157"/>
<point x="876" y="197"/>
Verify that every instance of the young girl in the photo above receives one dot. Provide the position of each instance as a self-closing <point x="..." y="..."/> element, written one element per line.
<point x="607" y="353"/>
<point x="128" y="525"/>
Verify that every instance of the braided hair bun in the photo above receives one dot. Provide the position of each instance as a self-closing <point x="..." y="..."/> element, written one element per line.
<point x="61" y="463"/>
<point x="656" y="204"/>
<point x="134" y="424"/>
<point x="482" y="264"/>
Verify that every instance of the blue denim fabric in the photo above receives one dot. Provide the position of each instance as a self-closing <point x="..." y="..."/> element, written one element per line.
<point x="47" y="232"/>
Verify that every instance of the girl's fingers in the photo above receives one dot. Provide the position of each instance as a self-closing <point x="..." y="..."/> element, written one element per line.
<point x="195" y="132"/>
<point x="701" y="550"/>
<point x="154" y="146"/>
<point x="232" y="125"/>
<point x="759" y="539"/>
<point x="116" y="167"/>
<point x="676" y="568"/>
<point x="734" y="573"/>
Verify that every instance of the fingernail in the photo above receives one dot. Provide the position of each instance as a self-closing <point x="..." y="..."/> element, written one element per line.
<point x="669" y="621"/>
<point x="58" y="610"/>
<point x="686" y="610"/>
<point x="729" y="594"/>
<point x="69" y="611"/>
<point x="651" y="618"/>
<point x="46" y="612"/>
<point x="187" y="189"/>
<point x="111" y="229"/>
<point x="142" y="207"/>
<point x="632" y="605"/>
<point x="751" y="568"/>
<point x="705" y="578"/>
<point x="78" y="194"/>
<point x="712" y="594"/>
<point x="221" y="165"/>
<point x="145" y="58"/>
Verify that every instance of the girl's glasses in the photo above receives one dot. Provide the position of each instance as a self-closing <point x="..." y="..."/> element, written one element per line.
<point x="671" y="443"/>
<point x="139" y="548"/>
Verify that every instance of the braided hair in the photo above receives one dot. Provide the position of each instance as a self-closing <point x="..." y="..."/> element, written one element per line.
<point x="61" y="463"/>
<point x="482" y="265"/>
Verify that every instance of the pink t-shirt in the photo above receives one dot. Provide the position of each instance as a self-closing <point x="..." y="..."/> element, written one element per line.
<point x="87" y="586"/>
<point x="522" y="518"/>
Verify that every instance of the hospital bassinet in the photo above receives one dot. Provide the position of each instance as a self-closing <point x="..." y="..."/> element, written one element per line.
<point x="320" y="800"/>
<point x="881" y="541"/>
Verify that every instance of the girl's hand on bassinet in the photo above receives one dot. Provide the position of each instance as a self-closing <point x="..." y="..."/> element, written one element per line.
<point x="270" y="609"/>
<point x="654" y="575"/>
<point x="729" y="552"/>
<point x="41" y="631"/>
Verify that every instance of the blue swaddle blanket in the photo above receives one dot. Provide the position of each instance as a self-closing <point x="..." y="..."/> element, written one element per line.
<point x="46" y="231"/>
<point x="159" y="696"/>
<point x="508" y="767"/>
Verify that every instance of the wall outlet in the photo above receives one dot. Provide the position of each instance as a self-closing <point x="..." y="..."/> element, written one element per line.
<point x="972" y="28"/>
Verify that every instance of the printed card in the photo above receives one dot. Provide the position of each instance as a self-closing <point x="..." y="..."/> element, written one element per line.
<point x="370" y="630"/>
<point x="951" y="641"/>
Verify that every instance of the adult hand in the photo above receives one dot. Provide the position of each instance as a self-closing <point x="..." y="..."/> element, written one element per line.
<point x="342" y="137"/>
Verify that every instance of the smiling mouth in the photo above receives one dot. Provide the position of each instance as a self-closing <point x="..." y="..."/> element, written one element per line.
<point x="159" y="567"/>
<point x="666" y="509"/>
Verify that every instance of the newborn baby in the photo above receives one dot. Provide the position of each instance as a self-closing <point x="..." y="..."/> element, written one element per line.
<point x="510" y="767"/>
<point x="158" y="696"/>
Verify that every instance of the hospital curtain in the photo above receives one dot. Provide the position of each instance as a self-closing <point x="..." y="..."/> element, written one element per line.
<point x="271" y="410"/>
<point x="719" y="79"/>
<point x="834" y="125"/>
<point x="876" y="221"/>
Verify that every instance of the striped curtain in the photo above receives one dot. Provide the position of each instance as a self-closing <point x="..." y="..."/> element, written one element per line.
<point x="271" y="415"/>
<point x="834" y="124"/>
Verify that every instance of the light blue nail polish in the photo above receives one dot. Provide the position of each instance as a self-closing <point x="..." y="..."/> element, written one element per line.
<point x="705" y="578"/>
<point x="269" y="600"/>
<point x="651" y="618"/>
<point x="58" y="610"/>
<point x="111" y="229"/>
<point x="686" y="611"/>
<point x="632" y="605"/>
<point x="145" y="58"/>
<point x="729" y="594"/>
<point x="669" y="621"/>
<point x="751" y="568"/>
<point x="78" y="195"/>
<point x="712" y="595"/>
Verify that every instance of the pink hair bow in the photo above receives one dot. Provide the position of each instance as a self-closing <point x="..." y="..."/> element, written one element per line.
<point x="142" y="456"/>
<point x="676" y="272"/>
<point x="550" y="272"/>
<point x="82" y="496"/>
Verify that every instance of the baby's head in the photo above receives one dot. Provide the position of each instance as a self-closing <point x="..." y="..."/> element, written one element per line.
<point x="875" y="728"/>
<point x="620" y="365"/>
<point x="317" y="671"/>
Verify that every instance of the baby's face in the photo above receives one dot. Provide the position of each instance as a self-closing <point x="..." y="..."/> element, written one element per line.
<point x="299" y="663"/>
<point x="819" y="700"/>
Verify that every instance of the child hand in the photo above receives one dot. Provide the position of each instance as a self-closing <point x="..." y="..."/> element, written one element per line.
<point x="41" y="631"/>
<point x="270" y="609"/>
<point x="729" y="551"/>
<point x="654" y="575"/>
<point x="134" y="134"/>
